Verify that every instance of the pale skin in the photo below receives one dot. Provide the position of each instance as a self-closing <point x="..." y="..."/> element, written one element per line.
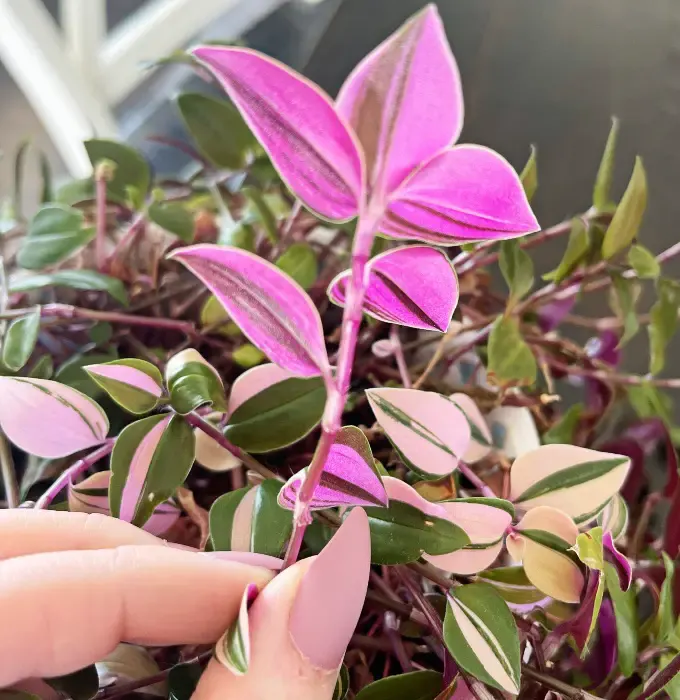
<point x="72" y="586"/>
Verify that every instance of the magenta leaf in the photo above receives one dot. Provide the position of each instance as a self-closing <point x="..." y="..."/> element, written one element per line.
<point x="270" y="308"/>
<point x="349" y="477"/>
<point x="404" y="101"/>
<point x="466" y="193"/>
<point x="414" y="286"/>
<point x="49" y="419"/>
<point x="618" y="561"/>
<point x="309" y="144"/>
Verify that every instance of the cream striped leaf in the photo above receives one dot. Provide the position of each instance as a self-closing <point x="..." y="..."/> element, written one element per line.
<point x="233" y="649"/>
<point x="614" y="518"/>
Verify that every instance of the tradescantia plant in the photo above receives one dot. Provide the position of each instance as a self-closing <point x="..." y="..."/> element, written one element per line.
<point x="499" y="517"/>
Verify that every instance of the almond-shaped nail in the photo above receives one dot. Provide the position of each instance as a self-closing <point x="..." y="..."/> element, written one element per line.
<point x="331" y="595"/>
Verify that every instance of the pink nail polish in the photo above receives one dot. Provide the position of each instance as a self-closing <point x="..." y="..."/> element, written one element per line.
<point x="331" y="595"/>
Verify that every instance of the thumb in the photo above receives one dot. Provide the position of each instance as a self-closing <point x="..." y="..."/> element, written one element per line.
<point x="301" y="623"/>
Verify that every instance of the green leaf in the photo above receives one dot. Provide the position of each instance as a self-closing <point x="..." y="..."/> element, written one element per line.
<point x="272" y="525"/>
<point x="648" y="401"/>
<point x="20" y="340"/>
<point x="644" y="263"/>
<point x="625" y="612"/>
<point x="46" y="193"/>
<point x="518" y="270"/>
<point x="665" y="616"/>
<point x="79" y="685"/>
<point x="132" y="178"/>
<point x="263" y="213"/>
<point x="73" y="374"/>
<point x="512" y="584"/>
<point x="401" y="533"/>
<point x="78" y="191"/>
<point x="182" y="681"/>
<point x="88" y="280"/>
<point x="603" y="181"/>
<point x="19" y="163"/>
<point x="192" y="382"/>
<point x="128" y="396"/>
<point x="248" y="356"/>
<point x="278" y="416"/>
<point x="624" y="299"/>
<point x="55" y="233"/>
<point x="342" y="685"/>
<point x="242" y="235"/>
<point x="578" y="247"/>
<point x="417" y="685"/>
<point x="221" y="518"/>
<point x="563" y="431"/>
<point x="101" y="333"/>
<point x="663" y="322"/>
<point x="174" y="218"/>
<point x="529" y="176"/>
<point x="218" y="130"/>
<point x="300" y="263"/>
<point x="43" y="368"/>
<point x="627" y="219"/>
<point x="510" y="358"/>
<point x="481" y="635"/>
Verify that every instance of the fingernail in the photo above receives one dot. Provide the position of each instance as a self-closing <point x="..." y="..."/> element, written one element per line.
<point x="331" y="595"/>
<point x="251" y="558"/>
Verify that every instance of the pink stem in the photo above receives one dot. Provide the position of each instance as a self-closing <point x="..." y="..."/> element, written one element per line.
<point x="399" y="357"/>
<point x="100" y="240"/>
<point x="73" y="471"/>
<point x="127" y="238"/>
<point x="485" y="490"/>
<point x="337" y="387"/>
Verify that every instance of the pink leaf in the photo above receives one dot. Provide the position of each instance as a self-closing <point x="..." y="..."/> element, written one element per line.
<point x="466" y="193"/>
<point x="618" y="561"/>
<point x="254" y="381"/>
<point x="270" y="308"/>
<point x="398" y="490"/>
<point x="309" y="144"/>
<point x="414" y="286"/>
<point x="349" y="476"/>
<point x="124" y="374"/>
<point x="49" y="419"/>
<point x="404" y="101"/>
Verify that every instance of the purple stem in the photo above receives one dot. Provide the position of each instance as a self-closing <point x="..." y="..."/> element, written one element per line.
<point x="465" y="470"/>
<point x="100" y="240"/>
<point x="73" y="471"/>
<point x="126" y="239"/>
<point x="337" y="387"/>
<point x="399" y="357"/>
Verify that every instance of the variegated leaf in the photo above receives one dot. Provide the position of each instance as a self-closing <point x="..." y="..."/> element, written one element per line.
<point x="481" y="441"/>
<point x="233" y="648"/>
<point x="134" y="384"/>
<point x="614" y="517"/>
<point x="515" y="587"/>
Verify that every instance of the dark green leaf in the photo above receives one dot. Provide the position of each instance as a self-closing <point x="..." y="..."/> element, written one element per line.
<point x="20" y="340"/>
<point x="55" y="233"/>
<point x="19" y="165"/>
<point x="643" y="262"/>
<point x="278" y="416"/>
<point x="272" y="525"/>
<point x="74" y="279"/>
<point x="46" y="194"/>
<point x="518" y="270"/>
<point x="263" y="213"/>
<point x="342" y="684"/>
<point x="218" y="130"/>
<point x="248" y="356"/>
<point x="623" y="302"/>
<point x="300" y="263"/>
<point x="80" y="685"/>
<point x="577" y="250"/>
<point x="627" y="219"/>
<point x="43" y="368"/>
<point x="400" y="534"/>
<point x="101" y="333"/>
<point x="132" y="178"/>
<point x="510" y="358"/>
<point x="625" y="612"/>
<point x="174" y="218"/>
<point x="529" y="176"/>
<point x="603" y="182"/>
<point x="418" y="685"/>
<point x="221" y="518"/>
<point x="193" y="383"/>
<point x="663" y="323"/>
<point x="182" y="681"/>
<point x="562" y="432"/>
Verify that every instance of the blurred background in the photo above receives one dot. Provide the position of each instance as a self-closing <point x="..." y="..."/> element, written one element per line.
<point x="549" y="73"/>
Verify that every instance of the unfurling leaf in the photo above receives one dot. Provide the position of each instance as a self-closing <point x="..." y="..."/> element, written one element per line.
<point x="349" y="477"/>
<point x="625" y="612"/>
<point x="402" y="87"/>
<point x="48" y="419"/>
<point x="663" y="322"/>
<point x="308" y="143"/>
<point x="577" y="249"/>
<point x="151" y="458"/>
<point x="627" y="219"/>
<point x="644" y="263"/>
<point x="135" y="385"/>
<point x="603" y="183"/>
<point x="174" y="218"/>
<point x="417" y="685"/>
<point x="193" y="382"/>
<point x="19" y="341"/>
<point x="299" y="262"/>
<point x="466" y="193"/>
<point x="342" y="685"/>
<point x="510" y="358"/>
<point x="614" y="518"/>
<point x="518" y="270"/>
<point x="529" y="175"/>
<point x="233" y="648"/>
<point x="273" y="311"/>
<point x="88" y="280"/>
<point x="414" y="286"/>
<point x="577" y="480"/>
<point x="429" y="431"/>
<point x="481" y="636"/>
<point x="625" y="298"/>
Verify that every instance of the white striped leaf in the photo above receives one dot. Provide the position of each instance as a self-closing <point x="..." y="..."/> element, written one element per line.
<point x="576" y="480"/>
<point x="428" y="430"/>
<point x="233" y="648"/>
<point x="614" y="517"/>
<point x="481" y="635"/>
<point x="481" y="442"/>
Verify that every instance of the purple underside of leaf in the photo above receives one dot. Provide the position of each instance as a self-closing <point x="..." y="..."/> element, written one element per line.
<point x="404" y="101"/>
<point x="602" y="659"/>
<point x="413" y="286"/>
<point x="619" y="562"/>
<point x="465" y="193"/>
<point x="296" y="122"/>
<point x="272" y="310"/>
<point x="127" y="375"/>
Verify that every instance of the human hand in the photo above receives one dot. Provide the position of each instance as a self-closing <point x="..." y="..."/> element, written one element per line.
<point x="72" y="586"/>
